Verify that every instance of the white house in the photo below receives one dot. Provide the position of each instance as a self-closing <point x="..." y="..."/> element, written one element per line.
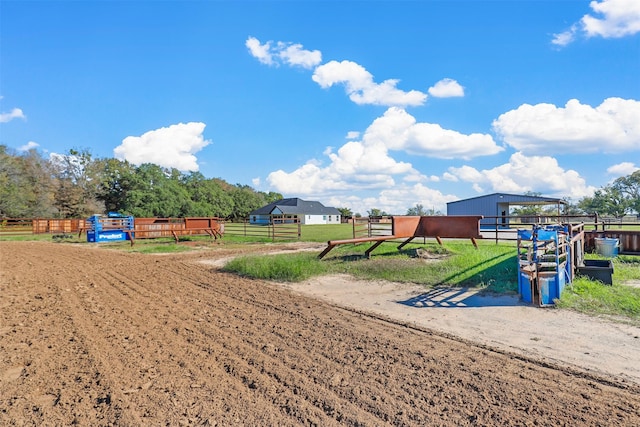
<point x="295" y="210"/>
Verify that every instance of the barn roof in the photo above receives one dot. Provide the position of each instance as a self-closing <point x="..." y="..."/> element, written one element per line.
<point x="515" y="199"/>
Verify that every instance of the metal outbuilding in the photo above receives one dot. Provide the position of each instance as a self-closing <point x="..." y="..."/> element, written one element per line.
<point x="495" y="207"/>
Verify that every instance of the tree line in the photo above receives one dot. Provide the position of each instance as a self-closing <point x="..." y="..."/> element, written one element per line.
<point x="77" y="185"/>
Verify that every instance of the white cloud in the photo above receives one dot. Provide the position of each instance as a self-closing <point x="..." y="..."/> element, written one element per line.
<point x="613" y="126"/>
<point x="526" y="173"/>
<point x="367" y="164"/>
<point x="28" y="146"/>
<point x="398" y="130"/>
<point x="358" y="83"/>
<point x="617" y="18"/>
<point x="353" y="135"/>
<point x="170" y="147"/>
<point x="288" y="53"/>
<point x="260" y="51"/>
<point x="622" y="169"/>
<point x="447" y="176"/>
<point x="294" y="54"/>
<point x="361" y="88"/>
<point x="566" y="37"/>
<point x="446" y="88"/>
<point x="353" y="167"/>
<point x="16" y="113"/>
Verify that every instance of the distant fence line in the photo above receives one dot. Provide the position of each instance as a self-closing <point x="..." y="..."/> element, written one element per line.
<point x="149" y="228"/>
<point x="504" y="228"/>
<point x="498" y="228"/>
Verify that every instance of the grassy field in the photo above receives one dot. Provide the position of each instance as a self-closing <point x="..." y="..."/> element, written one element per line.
<point x="323" y="233"/>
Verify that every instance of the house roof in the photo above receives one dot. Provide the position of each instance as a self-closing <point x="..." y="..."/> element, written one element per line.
<point x="296" y="206"/>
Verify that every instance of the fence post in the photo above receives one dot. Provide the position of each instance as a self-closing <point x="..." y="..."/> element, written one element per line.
<point x="353" y="226"/>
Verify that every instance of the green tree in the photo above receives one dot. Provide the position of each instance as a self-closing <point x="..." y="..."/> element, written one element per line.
<point x="271" y="197"/>
<point x="376" y="212"/>
<point x="417" y="210"/>
<point x="606" y="201"/>
<point x="594" y="204"/>
<point x="207" y="195"/>
<point x="26" y="185"/>
<point x="529" y="210"/>
<point x="77" y="177"/>
<point x="157" y="192"/>
<point x="245" y="200"/>
<point x="345" y="212"/>
<point x="116" y="180"/>
<point x="617" y="199"/>
<point x="629" y="188"/>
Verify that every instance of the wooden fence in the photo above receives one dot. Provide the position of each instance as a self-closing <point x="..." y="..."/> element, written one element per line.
<point x="26" y="226"/>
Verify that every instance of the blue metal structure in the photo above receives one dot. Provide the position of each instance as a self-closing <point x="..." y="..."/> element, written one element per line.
<point x="114" y="227"/>
<point x="544" y="260"/>
<point x="495" y="207"/>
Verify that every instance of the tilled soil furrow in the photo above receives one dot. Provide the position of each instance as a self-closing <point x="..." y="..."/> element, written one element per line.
<point x="323" y="358"/>
<point x="60" y="381"/>
<point x="173" y="377"/>
<point x="118" y="289"/>
<point x="246" y="360"/>
<point x="161" y="340"/>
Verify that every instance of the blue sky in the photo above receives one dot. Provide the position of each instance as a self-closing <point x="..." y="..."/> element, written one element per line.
<point x="380" y="104"/>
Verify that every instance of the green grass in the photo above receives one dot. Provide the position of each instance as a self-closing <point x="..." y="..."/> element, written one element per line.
<point x="594" y="298"/>
<point x="284" y="268"/>
<point x="324" y="233"/>
<point x="26" y="237"/>
<point x="492" y="268"/>
<point x="625" y="268"/>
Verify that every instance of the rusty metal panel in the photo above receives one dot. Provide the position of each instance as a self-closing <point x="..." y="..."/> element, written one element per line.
<point x="452" y="227"/>
<point x="198" y="223"/>
<point x="404" y="226"/>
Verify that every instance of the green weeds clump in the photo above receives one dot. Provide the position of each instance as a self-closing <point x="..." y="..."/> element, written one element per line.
<point x="283" y="267"/>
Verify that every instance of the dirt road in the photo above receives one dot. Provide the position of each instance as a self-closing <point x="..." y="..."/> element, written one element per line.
<point x="90" y="336"/>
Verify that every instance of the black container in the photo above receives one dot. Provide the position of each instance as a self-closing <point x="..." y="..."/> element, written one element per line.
<point x="597" y="269"/>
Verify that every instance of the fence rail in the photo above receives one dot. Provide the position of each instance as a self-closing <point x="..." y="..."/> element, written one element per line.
<point x="627" y="230"/>
<point x="150" y="228"/>
<point x="498" y="228"/>
<point x="277" y="230"/>
<point x="27" y="226"/>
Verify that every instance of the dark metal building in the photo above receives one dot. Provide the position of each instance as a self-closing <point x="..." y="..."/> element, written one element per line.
<point x="495" y="207"/>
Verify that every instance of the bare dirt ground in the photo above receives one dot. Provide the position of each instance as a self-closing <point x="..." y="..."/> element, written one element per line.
<point x="91" y="336"/>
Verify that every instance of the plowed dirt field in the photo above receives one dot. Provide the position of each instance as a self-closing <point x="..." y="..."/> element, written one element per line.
<point x="92" y="336"/>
